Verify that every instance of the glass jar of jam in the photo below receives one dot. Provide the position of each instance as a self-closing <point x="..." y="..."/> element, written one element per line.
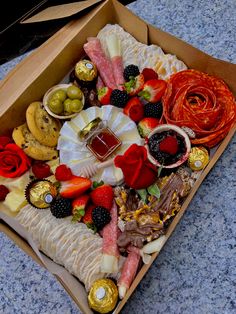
<point x="99" y="139"/>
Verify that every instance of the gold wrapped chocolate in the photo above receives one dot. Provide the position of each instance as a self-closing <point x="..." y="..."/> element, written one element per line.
<point x="40" y="193"/>
<point x="198" y="158"/>
<point x="103" y="295"/>
<point x="85" y="70"/>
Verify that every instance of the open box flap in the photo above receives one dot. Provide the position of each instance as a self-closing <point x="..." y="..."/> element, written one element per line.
<point x="59" y="11"/>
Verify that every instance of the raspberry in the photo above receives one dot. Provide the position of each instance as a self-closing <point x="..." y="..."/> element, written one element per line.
<point x="41" y="170"/>
<point x="149" y="74"/>
<point x="3" y="192"/>
<point x="63" y="173"/>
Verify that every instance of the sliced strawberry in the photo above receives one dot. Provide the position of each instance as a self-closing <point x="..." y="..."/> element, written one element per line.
<point x="41" y="170"/>
<point x="134" y="109"/>
<point x="103" y="196"/>
<point x="104" y="95"/>
<point x="153" y="90"/>
<point x="87" y="218"/>
<point x="78" y="207"/>
<point x="135" y="85"/>
<point x="169" y="145"/>
<point x="3" y="192"/>
<point x="149" y="74"/>
<point x="74" y="187"/>
<point x="63" y="173"/>
<point x="146" y="125"/>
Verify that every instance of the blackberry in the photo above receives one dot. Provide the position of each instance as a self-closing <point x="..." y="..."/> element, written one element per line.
<point x="130" y="70"/>
<point x="153" y="110"/>
<point x="61" y="208"/>
<point x="101" y="217"/>
<point x="119" y="98"/>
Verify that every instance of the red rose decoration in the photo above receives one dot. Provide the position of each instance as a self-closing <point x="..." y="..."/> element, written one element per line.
<point x="13" y="161"/>
<point x="138" y="172"/>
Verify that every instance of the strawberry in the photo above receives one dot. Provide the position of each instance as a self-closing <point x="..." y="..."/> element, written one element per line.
<point x="104" y="95"/>
<point x="169" y="145"/>
<point x="103" y="196"/>
<point x="41" y="170"/>
<point x="149" y="74"/>
<point x="74" y="187"/>
<point x="153" y="90"/>
<point x="3" y="192"/>
<point x="134" y="109"/>
<point x="135" y="85"/>
<point x="146" y="125"/>
<point x="63" y="173"/>
<point x="78" y="207"/>
<point x="87" y="218"/>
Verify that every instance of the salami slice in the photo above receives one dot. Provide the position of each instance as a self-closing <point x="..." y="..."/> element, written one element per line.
<point x="95" y="52"/>
<point x="110" y="251"/>
<point x="128" y="271"/>
<point x="114" y="49"/>
<point x="201" y="102"/>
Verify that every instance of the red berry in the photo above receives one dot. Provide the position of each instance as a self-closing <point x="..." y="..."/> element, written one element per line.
<point x="3" y="192"/>
<point x="41" y="170"/>
<point x="134" y="109"/>
<point x="103" y="196"/>
<point x="149" y="74"/>
<point x="63" y="173"/>
<point x="4" y="140"/>
<point x="75" y="187"/>
<point x="169" y="145"/>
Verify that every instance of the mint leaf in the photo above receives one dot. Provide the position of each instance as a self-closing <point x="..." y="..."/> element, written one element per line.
<point x="143" y="194"/>
<point x="154" y="190"/>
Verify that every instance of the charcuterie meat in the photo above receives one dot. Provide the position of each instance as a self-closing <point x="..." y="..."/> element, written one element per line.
<point x="201" y="102"/>
<point x="96" y="54"/>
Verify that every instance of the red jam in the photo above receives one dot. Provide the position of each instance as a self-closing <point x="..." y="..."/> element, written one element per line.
<point x="103" y="144"/>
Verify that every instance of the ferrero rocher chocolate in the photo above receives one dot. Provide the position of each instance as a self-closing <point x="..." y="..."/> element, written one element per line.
<point x="198" y="158"/>
<point x="40" y="193"/>
<point x="103" y="295"/>
<point x="85" y="70"/>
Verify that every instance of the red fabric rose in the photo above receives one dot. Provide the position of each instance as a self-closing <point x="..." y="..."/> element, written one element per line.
<point x="13" y="161"/>
<point x="138" y="172"/>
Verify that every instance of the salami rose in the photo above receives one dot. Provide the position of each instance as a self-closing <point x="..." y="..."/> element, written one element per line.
<point x="201" y="102"/>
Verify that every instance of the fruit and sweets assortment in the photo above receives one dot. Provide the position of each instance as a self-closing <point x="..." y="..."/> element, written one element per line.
<point x="146" y="129"/>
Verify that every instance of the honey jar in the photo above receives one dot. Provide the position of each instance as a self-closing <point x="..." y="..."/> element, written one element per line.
<point x="99" y="139"/>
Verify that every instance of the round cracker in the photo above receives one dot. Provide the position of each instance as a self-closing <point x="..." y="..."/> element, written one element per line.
<point x="24" y="139"/>
<point x="43" y="127"/>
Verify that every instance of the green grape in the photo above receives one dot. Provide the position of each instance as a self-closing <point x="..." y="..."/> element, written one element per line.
<point x="56" y="106"/>
<point x="74" y="92"/>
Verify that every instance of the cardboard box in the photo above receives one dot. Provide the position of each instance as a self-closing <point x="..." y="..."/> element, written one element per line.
<point x="54" y="59"/>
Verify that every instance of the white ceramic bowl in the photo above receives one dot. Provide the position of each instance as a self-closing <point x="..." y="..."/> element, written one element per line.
<point x="167" y="127"/>
<point x="47" y="96"/>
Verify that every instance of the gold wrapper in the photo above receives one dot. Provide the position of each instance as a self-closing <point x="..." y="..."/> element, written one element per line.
<point x="198" y="158"/>
<point x="103" y="295"/>
<point x="40" y="193"/>
<point x="85" y="70"/>
<point x="89" y="127"/>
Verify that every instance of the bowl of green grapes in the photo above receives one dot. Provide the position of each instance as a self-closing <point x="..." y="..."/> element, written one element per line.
<point x="63" y="101"/>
